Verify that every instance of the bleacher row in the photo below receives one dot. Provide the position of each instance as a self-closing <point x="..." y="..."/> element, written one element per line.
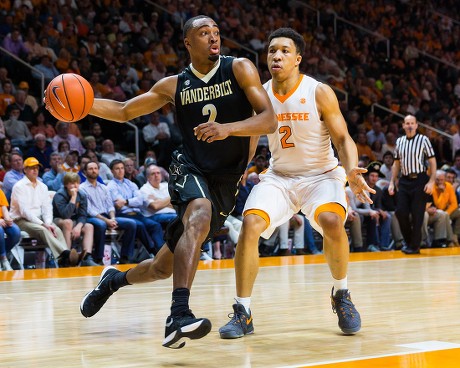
<point x="32" y="253"/>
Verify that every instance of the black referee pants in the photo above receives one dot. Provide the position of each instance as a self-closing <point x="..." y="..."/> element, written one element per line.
<point x="410" y="208"/>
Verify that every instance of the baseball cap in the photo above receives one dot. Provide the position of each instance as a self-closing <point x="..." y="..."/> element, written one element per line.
<point x="31" y="161"/>
<point x="150" y="161"/>
<point x="375" y="166"/>
<point x="23" y="85"/>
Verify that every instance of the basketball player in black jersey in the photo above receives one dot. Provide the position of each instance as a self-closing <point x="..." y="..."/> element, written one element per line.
<point x="215" y="98"/>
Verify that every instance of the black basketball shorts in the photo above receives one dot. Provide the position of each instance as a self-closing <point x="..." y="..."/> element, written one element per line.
<point x="186" y="183"/>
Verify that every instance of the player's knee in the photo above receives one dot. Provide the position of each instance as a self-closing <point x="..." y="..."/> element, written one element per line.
<point x="330" y="221"/>
<point x="253" y="223"/>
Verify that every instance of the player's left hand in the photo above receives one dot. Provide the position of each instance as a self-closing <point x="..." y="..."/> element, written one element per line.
<point x="358" y="185"/>
<point x="211" y="131"/>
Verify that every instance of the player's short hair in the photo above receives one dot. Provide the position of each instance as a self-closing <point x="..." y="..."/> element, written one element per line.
<point x="296" y="37"/>
<point x="189" y="24"/>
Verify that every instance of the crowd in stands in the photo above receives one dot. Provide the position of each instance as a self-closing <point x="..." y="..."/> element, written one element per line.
<point x="124" y="47"/>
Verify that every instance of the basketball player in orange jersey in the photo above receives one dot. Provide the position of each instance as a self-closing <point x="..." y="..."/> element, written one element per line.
<point x="303" y="175"/>
<point x="204" y="174"/>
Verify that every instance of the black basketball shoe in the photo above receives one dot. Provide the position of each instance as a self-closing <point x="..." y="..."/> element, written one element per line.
<point x="185" y="326"/>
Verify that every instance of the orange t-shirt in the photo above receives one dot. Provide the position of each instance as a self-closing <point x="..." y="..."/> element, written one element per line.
<point x="3" y="202"/>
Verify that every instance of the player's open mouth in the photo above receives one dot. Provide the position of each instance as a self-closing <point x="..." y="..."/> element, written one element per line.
<point x="276" y="67"/>
<point x="214" y="50"/>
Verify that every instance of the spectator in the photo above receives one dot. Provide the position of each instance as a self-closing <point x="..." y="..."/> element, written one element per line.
<point x="54" y="178"/>
<point x="109" y="154"/>
<point x="29" y="99"/>
<point x="6" y="97"/>
<point x="385" y="169"/>
<point x="378" y="221"/>
<point x="16" y="129"/>
<point x="5" y="146"/>
<point x="26" y="112"/>
<point x="131" y="172"/>
<point x="5" y="165"/>
<point x="150" y="160"/>
<point x="63" y="149"/>
<point x="157" y="202"/>
<point x="32" y="211"/>
<point x="101" y="214"/>
<point x="104" y="172"/>
<point x="14" y="44"/>
<point x="127" y="200"/>
<point x="40" y="125"/>
<point x="70" y="214"/>
<point x="456" y="164"/>
<point x="96" y="131"/>
<point x="117" y="92"/>
<point x="363" y="147"/>
<point x="451" y="177"/>
<point x="444" y="199"/>
<point x="82" y="161"/>
<point x="34" y="49"/>
<point x="158" y="136"/>
<point x="390" y="144"/>
<point x="439" y="219"/>
<point x="353" y="222"/>
<point x="298" y="242"/>
<point x="89" y="142"/>
<point x="48" y="69"/>
<point x="2" y="129"/>
<point x="62" y="134"/>
<point x="8" y="228"/>
<point x="260" y="164"/>
<point x="376" y="134"/>
<point x="14" y="175"/>
<point x="41" y="151"/>
<point x="71" y="162"/>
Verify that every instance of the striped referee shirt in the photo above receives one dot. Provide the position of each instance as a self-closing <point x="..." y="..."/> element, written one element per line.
<point x="413" y="153"/>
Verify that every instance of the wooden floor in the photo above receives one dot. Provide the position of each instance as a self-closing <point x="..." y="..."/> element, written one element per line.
<point x="410" y="308"/>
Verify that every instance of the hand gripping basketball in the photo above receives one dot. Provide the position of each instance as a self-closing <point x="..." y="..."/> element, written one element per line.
<point x="69" y="97"/>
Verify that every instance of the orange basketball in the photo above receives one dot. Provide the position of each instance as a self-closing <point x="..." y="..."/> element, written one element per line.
<point x="69" y="97"/>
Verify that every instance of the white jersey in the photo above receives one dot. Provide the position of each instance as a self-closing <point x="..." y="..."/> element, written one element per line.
<point x="301" y="146"/>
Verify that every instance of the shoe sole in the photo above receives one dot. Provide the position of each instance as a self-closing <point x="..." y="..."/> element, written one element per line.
<point x="86" y="296"/>
<point x="194" y="331"/>
<point x="232" y="335"/>
<point x="350" y="331"/>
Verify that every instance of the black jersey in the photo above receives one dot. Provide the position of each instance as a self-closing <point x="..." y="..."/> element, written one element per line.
<point x="219" y="99"/>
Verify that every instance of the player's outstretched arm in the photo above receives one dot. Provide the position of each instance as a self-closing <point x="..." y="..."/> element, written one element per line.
<point x="159" y="95"/>
<point x="264" y="122"/>
<point x="328" y="108"/>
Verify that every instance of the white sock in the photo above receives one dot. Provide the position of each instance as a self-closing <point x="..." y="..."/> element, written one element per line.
<point x="246" y="302"/>
<point x="340" y="284"/>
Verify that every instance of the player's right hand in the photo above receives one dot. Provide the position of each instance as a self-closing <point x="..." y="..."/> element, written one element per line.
<point x="358" y="185"/>
<point x="211" y="131"/>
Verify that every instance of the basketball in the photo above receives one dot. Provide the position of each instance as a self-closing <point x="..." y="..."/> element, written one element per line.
<point x="69" y="97"/>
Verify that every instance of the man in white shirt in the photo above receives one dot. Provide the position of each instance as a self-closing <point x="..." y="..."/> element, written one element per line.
<point x="157" y="202"/>
<point x="158" y="137"/>
<point x="108" y="152"/>
<point x="32" y="210"/>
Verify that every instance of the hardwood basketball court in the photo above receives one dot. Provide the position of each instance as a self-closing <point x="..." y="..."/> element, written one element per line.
<point x="409" y="306"/>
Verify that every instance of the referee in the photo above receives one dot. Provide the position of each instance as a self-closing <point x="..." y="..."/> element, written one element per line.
<point x="414" y="187"/>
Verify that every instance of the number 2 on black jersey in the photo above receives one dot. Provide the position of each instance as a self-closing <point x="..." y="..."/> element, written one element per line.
<point x="210" y="110"/>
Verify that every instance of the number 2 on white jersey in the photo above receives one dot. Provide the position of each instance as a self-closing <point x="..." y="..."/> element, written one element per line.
<point x="286" y="132"/>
